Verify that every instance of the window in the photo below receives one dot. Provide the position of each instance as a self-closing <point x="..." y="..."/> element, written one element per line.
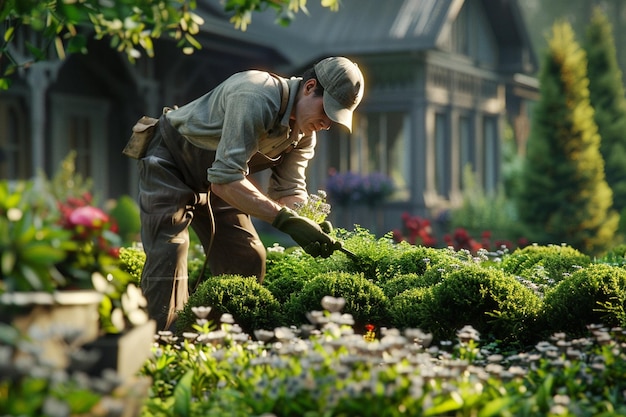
<point x="15" y="151"/>
<point x="379" y="143"/>
<point x="79" y="124"/>
<point x="79" y="138"/>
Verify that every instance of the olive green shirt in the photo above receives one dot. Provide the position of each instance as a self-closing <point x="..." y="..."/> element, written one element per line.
<point x="238" y="118"/>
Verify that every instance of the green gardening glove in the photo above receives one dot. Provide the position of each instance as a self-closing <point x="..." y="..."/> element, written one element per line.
<point x="326" y="226"/>
<point x="306" y="233"/>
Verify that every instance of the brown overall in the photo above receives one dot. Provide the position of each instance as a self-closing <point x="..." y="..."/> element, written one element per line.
<point x="175" y="194"/>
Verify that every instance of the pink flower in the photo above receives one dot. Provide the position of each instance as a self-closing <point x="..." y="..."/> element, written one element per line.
<point x="88" y="216"/>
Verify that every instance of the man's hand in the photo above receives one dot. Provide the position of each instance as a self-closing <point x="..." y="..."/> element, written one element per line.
<point x="326" y="226"/>
<point x="306" y="233"/>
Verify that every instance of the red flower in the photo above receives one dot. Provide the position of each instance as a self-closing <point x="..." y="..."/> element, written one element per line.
<point x="369" y="327"/>
<point x="88" y="216"/>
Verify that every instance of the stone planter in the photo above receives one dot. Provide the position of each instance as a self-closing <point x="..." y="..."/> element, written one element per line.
<point x="124" y="353"/>
<point x="42" y="315"/>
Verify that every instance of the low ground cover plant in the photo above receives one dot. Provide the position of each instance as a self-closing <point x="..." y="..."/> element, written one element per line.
<point x="326" y="369"/>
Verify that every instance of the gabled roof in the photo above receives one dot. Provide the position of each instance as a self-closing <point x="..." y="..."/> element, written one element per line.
<point x="367" y="26"/>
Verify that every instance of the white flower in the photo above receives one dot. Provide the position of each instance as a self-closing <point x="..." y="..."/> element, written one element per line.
<point x="333" y="304"/>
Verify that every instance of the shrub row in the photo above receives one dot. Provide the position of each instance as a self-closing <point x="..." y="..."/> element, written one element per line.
<point x="517" y="298"/>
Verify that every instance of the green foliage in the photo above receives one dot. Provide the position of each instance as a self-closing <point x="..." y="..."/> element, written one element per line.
<point x="30" y="248"/>
<point x="482" y="211"/>
<point x="126" y="215"/>
<point x="375" y="256"/>
<point x="338" y="373"/>
<point x="607" y="98"/>
<point x="132" y="260"/>
<point x="418" y="260"/>
<point x="615" y="256"/>
<point x="405" y="307"/>
<point x="283" y="287"/>
<point x="365" y="301"/>
<point x="403" y="282"/>
<point x="564" y="196"/>
<point x="64" y="28"/>
<point x="251" y="304"/>
<point x="593" y="295"/>
<point x="544" y="265"/>
<point x="292" y="263"/>
<point x="488" y="299"/>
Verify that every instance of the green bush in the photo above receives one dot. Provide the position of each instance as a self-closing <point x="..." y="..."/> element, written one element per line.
<point x="126" y="215"/>
<point x="593" y="295"/>
<point x="251" y="304"/>
<point x="132" y="260"/>
<point x="488" y="299"/>
<point x="295" y="264"/>
<point x="364" y="300"/>
<point x="410" y="259"/>
<point x="375" y="256"/>
<point x="283" y="287"/>
<point x="544" y="265"/>
<point x="402" y="283"/>
<point x="404" y="308"/>
<point x="615" y="256"/>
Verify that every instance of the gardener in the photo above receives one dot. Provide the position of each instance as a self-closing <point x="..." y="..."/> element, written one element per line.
<point x="195" y="173"/>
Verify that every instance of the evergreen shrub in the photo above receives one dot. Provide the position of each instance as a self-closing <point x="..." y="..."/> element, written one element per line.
<point x="294" y="264"/>
<point x="365" y="301"/>
<point x="488" y="299"/>
<point x="593" y="295"/>
<point x="404" y="308"/>
<point x="401" y="283"/>
<point x="546" y="265"/>
<point x="415" y="260"/>
<point x="284" y="286"/>
<point x="375" y="255"/>
<point x="251" y="305"/>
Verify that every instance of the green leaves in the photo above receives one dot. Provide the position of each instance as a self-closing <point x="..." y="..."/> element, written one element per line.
<point x="28" y="253"/>
<point x="182" y="395"/>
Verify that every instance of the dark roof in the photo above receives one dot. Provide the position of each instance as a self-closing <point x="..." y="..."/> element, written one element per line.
<point x="366" y="27"/>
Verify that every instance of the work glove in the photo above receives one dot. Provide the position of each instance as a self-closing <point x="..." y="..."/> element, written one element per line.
<point x="326" y="226"/>
<point x="306" y="233"/>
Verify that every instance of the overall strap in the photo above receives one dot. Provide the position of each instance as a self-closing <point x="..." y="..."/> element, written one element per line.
<point x="284" y="94"/>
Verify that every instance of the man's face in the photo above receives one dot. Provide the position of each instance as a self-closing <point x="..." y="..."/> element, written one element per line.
<point x="310" y="115"/>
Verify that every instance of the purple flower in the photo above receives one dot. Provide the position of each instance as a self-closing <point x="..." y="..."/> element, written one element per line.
<point x="349" y="187"/>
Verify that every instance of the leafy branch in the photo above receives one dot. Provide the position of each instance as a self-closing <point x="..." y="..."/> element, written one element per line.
<point x="36" y="30"/>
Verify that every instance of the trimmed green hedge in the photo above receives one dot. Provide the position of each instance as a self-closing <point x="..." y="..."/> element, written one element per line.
<point x="251" y="304"/>
<point x="593" y="295"/>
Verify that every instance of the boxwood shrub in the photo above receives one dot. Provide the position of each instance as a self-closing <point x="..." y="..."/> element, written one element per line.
<point x="488" y="299"/>
<point x="403" y="282"/>
<point x="251" y="304"/>
<point x="404" y="308"/>
<point x="415" y="260"/>
<point x="294" y="263"/>
<point x="544" y="265"/>
<point x="375" y="255"/>
<point x="593" y="295"/>
<point x="364" y="300"/>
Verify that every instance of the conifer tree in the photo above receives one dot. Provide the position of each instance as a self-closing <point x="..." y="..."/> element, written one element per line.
<point x="565" y="197"/>
<point x="606" y="93"/>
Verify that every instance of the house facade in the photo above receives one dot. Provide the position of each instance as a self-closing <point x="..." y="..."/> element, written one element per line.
<point x="444" y="78"/>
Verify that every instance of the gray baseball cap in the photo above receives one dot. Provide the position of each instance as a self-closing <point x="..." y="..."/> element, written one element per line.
<point x="343" y="88"/>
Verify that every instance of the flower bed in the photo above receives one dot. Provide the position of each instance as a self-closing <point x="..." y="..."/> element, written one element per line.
<point x="451" y="334"/>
